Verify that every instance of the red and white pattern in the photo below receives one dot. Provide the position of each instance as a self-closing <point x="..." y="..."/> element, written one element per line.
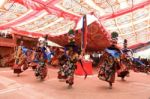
<point x="56" y="17"/>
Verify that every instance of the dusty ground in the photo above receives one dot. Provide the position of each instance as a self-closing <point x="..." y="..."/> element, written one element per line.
<point x="137" y="86"/>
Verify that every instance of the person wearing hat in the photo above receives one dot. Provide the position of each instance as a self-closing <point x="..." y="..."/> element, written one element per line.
<point x="69" y="58"/>
<point x="110" y="62"/>
<point x="126" y="61"/>
<point x="41" y="59"/>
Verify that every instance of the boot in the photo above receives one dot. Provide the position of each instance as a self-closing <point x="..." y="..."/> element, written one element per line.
<point x="110" y="85"/>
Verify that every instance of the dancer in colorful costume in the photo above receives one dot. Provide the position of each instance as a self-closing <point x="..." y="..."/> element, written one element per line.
<point x="110" y="63"/>
<point x="126" y="61"/>
<point x="127" y="55"/>
<point x="133" y="63"/>
<point x="20" y="59"/>
<point x="68" y="60"/>
<point x="41" y="59"/>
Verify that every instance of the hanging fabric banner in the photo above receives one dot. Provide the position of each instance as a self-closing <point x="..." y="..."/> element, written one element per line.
<point x="84" y="35"/>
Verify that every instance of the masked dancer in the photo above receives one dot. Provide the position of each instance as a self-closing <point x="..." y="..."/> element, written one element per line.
<point x="68" y="60"/>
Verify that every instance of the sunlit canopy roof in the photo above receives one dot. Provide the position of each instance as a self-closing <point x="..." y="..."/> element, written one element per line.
<point x="130" y="18"/>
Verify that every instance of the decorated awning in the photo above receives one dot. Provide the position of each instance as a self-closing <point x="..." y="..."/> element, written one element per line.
<point x="34" y="18"/>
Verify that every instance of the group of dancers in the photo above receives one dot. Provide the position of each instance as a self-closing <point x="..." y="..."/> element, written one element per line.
<point x="113" y="60"/>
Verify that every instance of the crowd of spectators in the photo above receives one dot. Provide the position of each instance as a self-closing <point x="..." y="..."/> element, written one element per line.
<point x="5" y="35"/>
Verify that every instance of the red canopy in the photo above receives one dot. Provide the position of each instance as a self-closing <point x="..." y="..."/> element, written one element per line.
<point x="34" y="18"/>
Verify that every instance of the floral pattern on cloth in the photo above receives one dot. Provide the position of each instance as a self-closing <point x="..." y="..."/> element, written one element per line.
<point x="68" y="69"/>
<point x="107" y="68"/>
<point x="107" y="71"/>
